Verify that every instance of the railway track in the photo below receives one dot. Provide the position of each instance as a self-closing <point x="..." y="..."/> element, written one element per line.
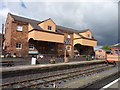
<point x="56" y="78"/>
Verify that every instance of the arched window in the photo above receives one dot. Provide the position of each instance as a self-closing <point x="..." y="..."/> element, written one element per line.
<point x="68" y="48"/>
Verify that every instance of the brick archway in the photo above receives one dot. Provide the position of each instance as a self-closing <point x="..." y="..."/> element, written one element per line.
<point x="84" y="50"/>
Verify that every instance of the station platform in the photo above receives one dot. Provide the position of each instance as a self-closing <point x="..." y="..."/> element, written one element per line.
<point x="48" y="66"/>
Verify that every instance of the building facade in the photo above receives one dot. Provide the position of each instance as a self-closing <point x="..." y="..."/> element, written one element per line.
<point x="111" y="54"/>
<point x="115" y="49"/>
<point x="115" y="53"/>
<point x="102" y="53"/>
<point x="25" y="37"/>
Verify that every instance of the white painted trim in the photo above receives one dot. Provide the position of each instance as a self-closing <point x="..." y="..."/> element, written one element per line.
<point x="108" y="85"/>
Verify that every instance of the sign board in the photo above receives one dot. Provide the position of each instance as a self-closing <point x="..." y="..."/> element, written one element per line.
<point x="33" y="52"/>
<point x="67" y="42"/>
<point x="33" y="61"/>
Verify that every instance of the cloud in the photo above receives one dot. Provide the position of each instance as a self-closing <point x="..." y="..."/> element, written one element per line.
<point x="97" y="47"/>
<point x="22" y="4"/>
<point x="100" y="17"/>
<point x="3" y="16"/>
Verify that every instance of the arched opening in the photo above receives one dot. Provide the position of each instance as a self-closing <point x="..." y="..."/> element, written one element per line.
<point x="83" y="50"/>
<point x="46" y="48"/>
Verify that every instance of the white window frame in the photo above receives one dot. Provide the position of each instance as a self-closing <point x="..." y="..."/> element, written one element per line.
<point x="18" y="46"/>
<point x="31" y="47"/>
<point x="50" y="28"/>
<point x="68" y="36"/>
<point x="19" y="28"/>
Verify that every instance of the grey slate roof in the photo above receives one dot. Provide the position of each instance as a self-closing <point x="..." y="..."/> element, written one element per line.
<point x="116" y="45"/>
<point x="69" y="30"/>
<point x="107" y="50"/>
<point x="26" y="20"/>
<point x="34" y="23"/>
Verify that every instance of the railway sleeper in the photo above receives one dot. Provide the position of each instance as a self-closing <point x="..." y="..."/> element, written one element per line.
<point x="69" y="75"/>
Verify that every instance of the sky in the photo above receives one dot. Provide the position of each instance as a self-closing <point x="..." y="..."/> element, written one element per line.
<point x="100" y="16"/>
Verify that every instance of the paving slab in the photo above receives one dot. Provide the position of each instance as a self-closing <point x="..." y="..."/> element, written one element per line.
<point x="28" y="67"/>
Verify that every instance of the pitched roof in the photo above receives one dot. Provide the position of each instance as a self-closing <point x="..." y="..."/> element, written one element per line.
<point x="46" y="20"/>
<point x="107" y="50"/>
<point x="27" y="20"/>
<point x="35" y="26"/>
<point x="116" y="45"/>
<point x="69" y="30"/>
<point x="64" y="29"/>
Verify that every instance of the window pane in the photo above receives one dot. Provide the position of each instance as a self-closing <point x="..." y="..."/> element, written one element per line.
<point x="88" y="35"/>
<point x="31" y="46"/>
<point x="116" y="51"/>
<point x="19" y="28"/>
<point x="49" y="27"/>
<point x="68" y="48"/>
<point x="100" y="54"/>
<point x="18" y="45"/>
<point x="100" y="50"/>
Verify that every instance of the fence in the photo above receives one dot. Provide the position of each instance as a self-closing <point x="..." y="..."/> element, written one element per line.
<point x="27" y="61"/>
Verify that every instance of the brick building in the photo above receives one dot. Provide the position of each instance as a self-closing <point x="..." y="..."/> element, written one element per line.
<point x="115" y="53"/>
<point x="102" y="53"/>
<point x="115" y="49"/>
<point x="24" y="37"/>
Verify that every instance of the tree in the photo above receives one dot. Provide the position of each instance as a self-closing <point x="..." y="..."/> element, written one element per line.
<point x="105" y="47"/>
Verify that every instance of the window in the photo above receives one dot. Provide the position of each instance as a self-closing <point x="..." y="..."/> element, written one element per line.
<point x="75" y="49"/>
<point x="116" y="51"/>
<point x="31" y="46"/>
<point x="100" y="54"/>
<point x="68" y="48"/>
<point x="100" y="50"/>
<point x="68" y="36"/>
<point x="49" y="27"/>
<point x="18" y="46"/>
<point x="19" y="28"/>
<point x="88" y="35"/>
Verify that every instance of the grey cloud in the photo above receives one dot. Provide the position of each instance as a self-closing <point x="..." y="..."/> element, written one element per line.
<point x="101" y="18"/>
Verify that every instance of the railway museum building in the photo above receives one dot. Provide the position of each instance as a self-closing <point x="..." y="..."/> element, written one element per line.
<point x="25" y="37"/>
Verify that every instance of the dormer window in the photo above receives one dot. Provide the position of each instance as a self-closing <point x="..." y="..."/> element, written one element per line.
<point x="19" y="28"/>
<point x="49" y="27"/>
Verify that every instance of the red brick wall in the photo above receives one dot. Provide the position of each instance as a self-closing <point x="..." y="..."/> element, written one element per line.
<point x="19" y="37"/>
<point x="12" y="36"/>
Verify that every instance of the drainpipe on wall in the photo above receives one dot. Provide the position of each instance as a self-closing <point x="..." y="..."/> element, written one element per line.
<point x="2" y="39"/>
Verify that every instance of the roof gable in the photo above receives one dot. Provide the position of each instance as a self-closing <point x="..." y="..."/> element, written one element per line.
<point x="46" y="20"/>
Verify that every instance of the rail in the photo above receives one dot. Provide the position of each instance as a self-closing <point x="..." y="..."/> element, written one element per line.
<point x="87" y="69"/>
